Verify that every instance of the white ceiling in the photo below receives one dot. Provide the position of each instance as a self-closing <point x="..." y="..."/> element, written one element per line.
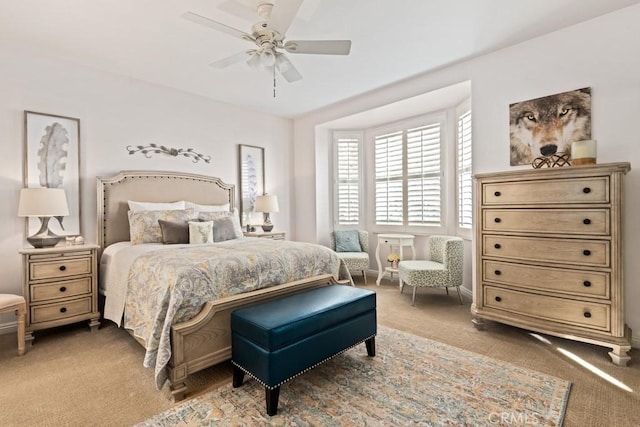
<point x="392" y="40"/>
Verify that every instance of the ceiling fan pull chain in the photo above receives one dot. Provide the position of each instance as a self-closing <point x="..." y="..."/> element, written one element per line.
<point x="274" y="81"/>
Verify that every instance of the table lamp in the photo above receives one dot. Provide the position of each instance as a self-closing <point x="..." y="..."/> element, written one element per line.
<point x="267" y="204"/>
<point x="43" y="203"/>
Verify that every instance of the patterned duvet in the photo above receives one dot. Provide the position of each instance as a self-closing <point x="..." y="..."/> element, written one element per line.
<point x="171" y="285"/>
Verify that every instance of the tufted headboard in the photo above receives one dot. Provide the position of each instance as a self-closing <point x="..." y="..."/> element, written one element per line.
<point x="151" y="186"/>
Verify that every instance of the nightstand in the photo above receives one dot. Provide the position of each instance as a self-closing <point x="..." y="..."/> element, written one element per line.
<point x="60" y="286"/>
<point x="265" y="234"/>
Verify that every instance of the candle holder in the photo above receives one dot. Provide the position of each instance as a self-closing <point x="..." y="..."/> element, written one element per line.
<point x="584" y="152"/>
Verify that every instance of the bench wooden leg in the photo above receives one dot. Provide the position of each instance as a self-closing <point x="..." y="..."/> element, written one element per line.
<point x="271" y="395"/>
<point x="371" y="346"/>
<point x="238" y="377"/>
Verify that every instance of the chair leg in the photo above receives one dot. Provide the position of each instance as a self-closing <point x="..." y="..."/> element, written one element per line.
<point x="446" y="289"/>
<point x="459" y="294"/>
<point x="364" y="276"/>
<point x="401" y="285"/>
<point x="413" y="300"/>
<point x="20" y="317"/>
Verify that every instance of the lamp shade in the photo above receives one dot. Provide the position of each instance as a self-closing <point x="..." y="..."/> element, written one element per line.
<point x="43" y="202"/>
<point x="267" y="203"/>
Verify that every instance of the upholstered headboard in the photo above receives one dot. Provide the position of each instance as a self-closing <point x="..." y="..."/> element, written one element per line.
<point x="152" y="186"/>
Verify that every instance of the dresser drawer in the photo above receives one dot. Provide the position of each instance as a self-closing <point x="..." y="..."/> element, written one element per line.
<point x="571" y="282"/>
<point x="59" y="268"/>
<point x="579" y="313"/>
<point x="595" y="253"/>
<point x="61" y="289"/>
<point x="546" y="192"/>
<point x="588" y="222"/>
<point x="62" y="310"/>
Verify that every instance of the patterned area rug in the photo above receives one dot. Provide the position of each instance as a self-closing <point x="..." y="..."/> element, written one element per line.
<point x="411" y="380"/>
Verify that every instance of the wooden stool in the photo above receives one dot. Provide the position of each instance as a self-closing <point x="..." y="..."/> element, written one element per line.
<point x="16" y="303"/>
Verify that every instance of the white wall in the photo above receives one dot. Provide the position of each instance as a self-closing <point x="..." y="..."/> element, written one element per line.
<point x="115" y="112"/>
<point x="601" y="54"/>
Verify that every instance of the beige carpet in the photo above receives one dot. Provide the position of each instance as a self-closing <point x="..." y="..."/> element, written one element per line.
<point x="75" y="378"/>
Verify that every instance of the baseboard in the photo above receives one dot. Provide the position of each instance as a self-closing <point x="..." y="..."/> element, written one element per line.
<point x="8" y="328"/>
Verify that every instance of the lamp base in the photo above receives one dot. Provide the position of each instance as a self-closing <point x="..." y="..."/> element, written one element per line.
<point x="267" y="227"/>
<point x="44" y="242"/>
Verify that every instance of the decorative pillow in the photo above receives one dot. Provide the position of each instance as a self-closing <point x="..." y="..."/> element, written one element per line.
<point x="201" y="232"/>
<point x="144" y="226"/>
<point x="234" y="215"/>
<point x="225" y="229"/>
<point x="174" y="231"/>
<point x="207" y="208"/>
<point x="153" y="206"/>
<point x="347" y="241"/>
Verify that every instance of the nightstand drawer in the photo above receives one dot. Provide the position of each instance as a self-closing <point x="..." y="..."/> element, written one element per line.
<point x="62" y="310"/>
<point x="59" y="268"/>
<point x="579" y="313"/>
<point x="64" y="289"/>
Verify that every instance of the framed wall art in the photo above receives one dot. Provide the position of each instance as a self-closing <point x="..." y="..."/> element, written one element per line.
<point x="251" y="182"/>
<point x="52" y="160"/>
<point x="547" y="126"/>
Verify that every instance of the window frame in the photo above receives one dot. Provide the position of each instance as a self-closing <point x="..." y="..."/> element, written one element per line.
<point x="336" y="135"/>
<point x="464" y="232"/>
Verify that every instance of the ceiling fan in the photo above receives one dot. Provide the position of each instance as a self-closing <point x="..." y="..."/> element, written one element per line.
<point x="269" y="37"/>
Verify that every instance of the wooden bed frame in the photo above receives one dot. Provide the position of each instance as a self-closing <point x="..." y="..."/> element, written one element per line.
<point x="205" y="340"/>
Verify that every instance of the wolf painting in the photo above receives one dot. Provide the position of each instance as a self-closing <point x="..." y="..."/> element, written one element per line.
<point x="545" y="126"/>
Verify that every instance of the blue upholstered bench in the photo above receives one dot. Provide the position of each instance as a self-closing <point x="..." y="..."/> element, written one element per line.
<point x="278" y="340"/>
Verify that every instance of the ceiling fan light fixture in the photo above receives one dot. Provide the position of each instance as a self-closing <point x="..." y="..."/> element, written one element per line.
<point x="267" y="58"/>
<point x="254" y="61"/>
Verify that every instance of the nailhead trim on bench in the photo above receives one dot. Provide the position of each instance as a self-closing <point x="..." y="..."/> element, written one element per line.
<point x="302" y="372"/>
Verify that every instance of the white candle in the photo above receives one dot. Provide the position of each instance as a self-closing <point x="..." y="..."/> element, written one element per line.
<point x="584" y="152"/>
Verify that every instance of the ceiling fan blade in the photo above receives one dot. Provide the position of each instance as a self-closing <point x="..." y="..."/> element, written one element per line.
<point x="233" y="59"/>
<point x="282" y="15"/>
<point x="198" y="19"/>
<point x="320" y="47"/>
<point x="286" y="68"/>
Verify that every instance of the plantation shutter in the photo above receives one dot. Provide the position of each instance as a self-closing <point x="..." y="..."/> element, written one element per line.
<point x="423" y="175"/>
<point x="348" y="179"/>
<point x="465" y="179"/>
<point x="389" y="179"/>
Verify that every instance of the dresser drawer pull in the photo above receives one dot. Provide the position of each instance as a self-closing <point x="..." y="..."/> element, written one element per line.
<point x="497" y="246"/>
<point x="497" y="219"/>
<point x="63" y="288"/>
<point x="63" y="310"/>
<point x="63" y="268"/>
<point x="498" y="299"/>
<point x="586" y="190"/>
<point x="587" y="314"/>
<point x="586" y="252"/>
<point x="586" y="283"/>
<point x="586" y="221"/>
<point x="498" y="272"/>
<point x="497" y="194"/>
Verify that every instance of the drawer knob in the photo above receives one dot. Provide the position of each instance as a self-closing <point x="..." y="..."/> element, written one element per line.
<point x="497" y="194"/>
<point x="586" y="252"/>
<point x="586" y="283"/>
<point x="587" y="314"/>
<point x="498" y="299"/>
<point x="63" y="310"/>
<point x="497" y="219"/>
<point x="63" y="268"/>
<point x="586" y="221"/>
<point x="63" y="288"/>
<point x="498" y="272"/>
<point x="497" y="246"/>
<point x="586" y="190"/>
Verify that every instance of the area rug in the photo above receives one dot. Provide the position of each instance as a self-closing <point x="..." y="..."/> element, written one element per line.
<point x="411" y="380"/>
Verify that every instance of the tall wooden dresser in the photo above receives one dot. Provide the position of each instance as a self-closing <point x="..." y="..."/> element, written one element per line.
<point x="549" y="253"/>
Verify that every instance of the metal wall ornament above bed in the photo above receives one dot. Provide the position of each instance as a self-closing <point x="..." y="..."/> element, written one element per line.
<point x="150" y="149"/>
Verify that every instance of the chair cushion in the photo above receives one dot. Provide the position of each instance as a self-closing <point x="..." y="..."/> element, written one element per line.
<point x="355" y="260"/>
<point x="423" y="273"/>
<point x="11" y="300"/>
<point x="347" y="241"/>
<point x="283" y="321"/>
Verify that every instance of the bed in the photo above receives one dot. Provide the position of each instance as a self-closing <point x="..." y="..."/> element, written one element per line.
<point x="202" y="338"/>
